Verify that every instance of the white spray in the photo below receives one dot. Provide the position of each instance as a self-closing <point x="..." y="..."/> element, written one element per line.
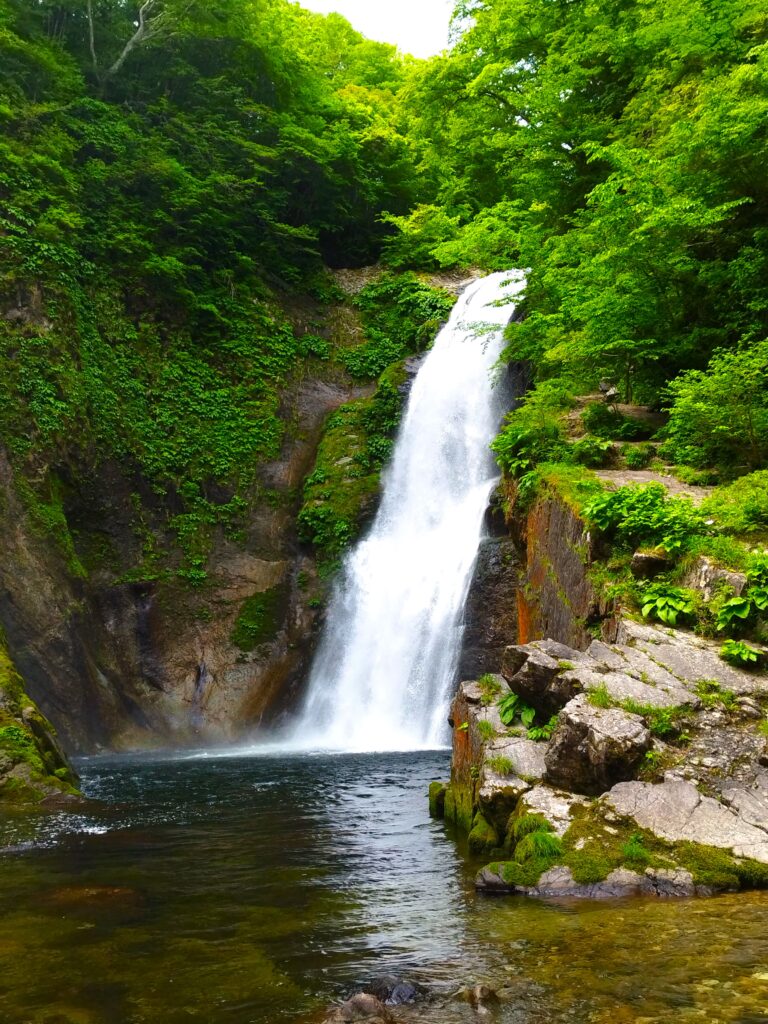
<point x="383" y="674"/>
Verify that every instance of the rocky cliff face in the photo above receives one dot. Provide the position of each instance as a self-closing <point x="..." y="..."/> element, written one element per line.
<point x="125" y="664"/>
<point x="124" y="640"/>
<point x="635" y="763"/>
<point x="33" y="767"/>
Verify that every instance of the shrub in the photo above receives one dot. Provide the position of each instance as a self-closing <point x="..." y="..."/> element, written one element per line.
<point x="532" y="433"/>
<point x="591" y="451"/>
<point x="666" y="603"/>
<point x="645" y="515"/>
<point x="741" y="507"/>
<point x="739" y="653"/>
<point x="719" y="416"/>
<point x="637" y="456"/>
<point x="603" y="421"/>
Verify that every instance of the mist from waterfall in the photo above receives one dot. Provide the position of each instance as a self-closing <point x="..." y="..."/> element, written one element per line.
<point x="385" y="668"/>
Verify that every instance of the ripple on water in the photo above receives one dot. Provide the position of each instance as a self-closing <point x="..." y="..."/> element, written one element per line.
<point x="255" y="890"/>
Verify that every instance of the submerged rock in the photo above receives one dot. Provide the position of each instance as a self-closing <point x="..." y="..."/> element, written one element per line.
<point x="593" y="748"/>
<point x="391" y="990"/>
<point x="363" y="1006"/>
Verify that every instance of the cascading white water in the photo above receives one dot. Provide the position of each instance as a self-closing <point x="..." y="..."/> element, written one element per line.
<point x="382" y="677"/>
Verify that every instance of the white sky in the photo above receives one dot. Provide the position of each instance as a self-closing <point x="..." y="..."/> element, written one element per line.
<point x="419" y="27"/>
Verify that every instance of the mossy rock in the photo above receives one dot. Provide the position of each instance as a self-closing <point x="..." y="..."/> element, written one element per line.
<point x="32" y="765"/>
<point x="437" y="791"/>
<point x="483" y="837"/>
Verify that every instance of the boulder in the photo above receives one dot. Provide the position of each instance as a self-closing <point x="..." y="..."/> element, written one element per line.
<point x="593" y="748"/>
<point x="363" y="1006"/>
<point x="498" y="796"/>
<point x="675" y="810"/>
<point x="394" y="991"/>
<point x="647" y="564"/>
<point x="552" y="804"/>
<point x="558" y="882"/>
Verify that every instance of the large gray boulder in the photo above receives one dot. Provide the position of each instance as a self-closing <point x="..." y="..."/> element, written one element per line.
<point x="675" y="810"/>
<point x="594" y="748"/>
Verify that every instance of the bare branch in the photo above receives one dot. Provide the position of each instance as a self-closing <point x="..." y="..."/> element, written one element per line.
<point x="92" y="38"/>
<point x="146" y="30"/>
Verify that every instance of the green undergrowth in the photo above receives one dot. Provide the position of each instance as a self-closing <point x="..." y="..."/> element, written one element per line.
<point x="401" y="316"/>
<point x="667" y="723"/>
<point x="340" y="492"/>
<point x="260" y="618"/>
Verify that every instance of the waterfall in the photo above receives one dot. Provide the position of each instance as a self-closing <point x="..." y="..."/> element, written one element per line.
<point x="385" y="668"/>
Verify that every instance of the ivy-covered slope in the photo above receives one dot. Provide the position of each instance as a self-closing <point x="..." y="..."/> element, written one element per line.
<point x="171" y="342"/>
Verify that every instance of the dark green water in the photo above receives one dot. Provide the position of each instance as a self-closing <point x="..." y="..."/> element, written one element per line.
<point x="255" y="890"/>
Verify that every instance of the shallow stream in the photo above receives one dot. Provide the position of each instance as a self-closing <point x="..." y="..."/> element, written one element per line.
<point x="257" y="889"/>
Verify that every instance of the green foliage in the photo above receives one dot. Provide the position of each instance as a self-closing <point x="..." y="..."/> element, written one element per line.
<point x="713" y="695"/>
<point x="666" y="603"/>
<point x="158" y="219"/>
<point x="538" y="845"/>
<point x="532" y="432"/>
<point x="719" y="416"/>
<point x="591" y="451"/>
<point x="666" y="723"/>
<point x="645" y="515"/>
<point x="512" y="707"/>
<point x="523" y="825"/>
<point x="260" y="618"/>
<point x="637" y="456"/>
<point x="604" y="421"/>
<point x="501" y="765"/>
<point x="401" y="316"/>
<point x="340" y="492"/>
<point x="490" y="687"/>
<point x="741" y="507"/>
<point x="486" y="730"/>
<point x="740" y="654"/>
<point x="634" y="850"/>
<point x="543" y="732"/>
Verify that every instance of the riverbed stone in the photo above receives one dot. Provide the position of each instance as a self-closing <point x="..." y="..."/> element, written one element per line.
<point x="558" y="882"/>
<point x="362" y="1006"/>
<point x="676" y="811"/>
<point x="593" y="748"/>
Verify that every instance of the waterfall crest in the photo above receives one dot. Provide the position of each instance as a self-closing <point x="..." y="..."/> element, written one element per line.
<point x="383" y="674"/>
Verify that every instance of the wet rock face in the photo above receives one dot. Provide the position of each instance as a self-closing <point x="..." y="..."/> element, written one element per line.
<point x="33" y="767"/>
<point x="491" y="609"/>
<point x="593" y="748"/>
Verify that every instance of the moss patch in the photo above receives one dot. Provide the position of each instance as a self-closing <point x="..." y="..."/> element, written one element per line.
<point x="31" y="764"/>
<point x="260" y="618"/>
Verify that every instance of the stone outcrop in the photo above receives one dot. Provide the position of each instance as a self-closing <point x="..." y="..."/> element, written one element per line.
<point x="594" y="747"/>
<point x="652" y="779"/>
<point x="677" y="811"/>
<point x="559" y="883"/>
